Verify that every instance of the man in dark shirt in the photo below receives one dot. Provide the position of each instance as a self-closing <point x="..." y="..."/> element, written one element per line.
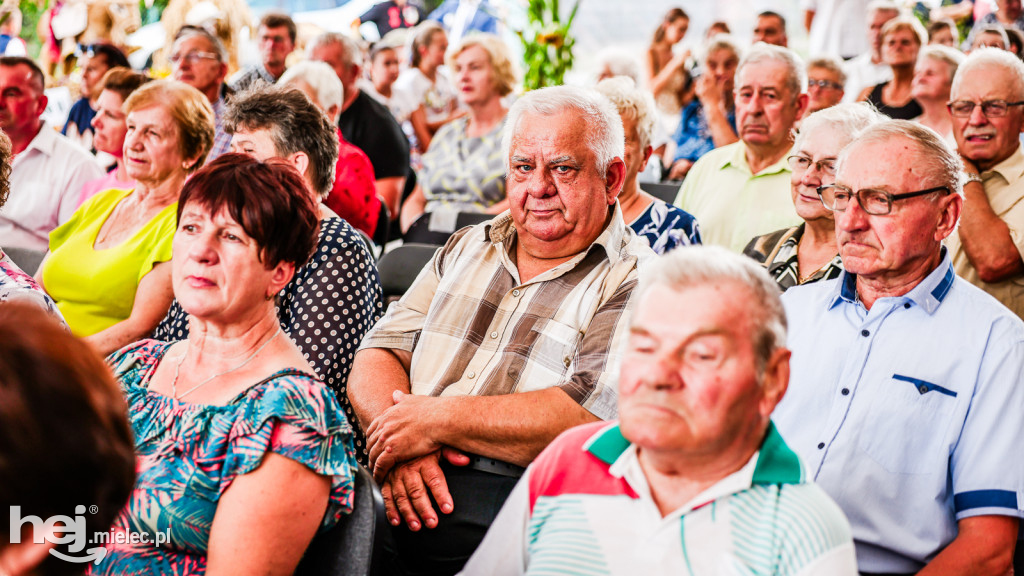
<point x="365" y="122"/>
<point x="391" y="15"/>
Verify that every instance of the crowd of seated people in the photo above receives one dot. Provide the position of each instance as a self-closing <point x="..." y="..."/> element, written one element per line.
<point x="741" y="303"/>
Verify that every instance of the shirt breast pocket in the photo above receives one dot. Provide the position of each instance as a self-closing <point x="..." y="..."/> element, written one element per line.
<point x="554" y="346"/>
<point x="910" y="419"/>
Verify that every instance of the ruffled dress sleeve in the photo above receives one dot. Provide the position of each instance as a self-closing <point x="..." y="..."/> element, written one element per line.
<point x="297" y="417"/>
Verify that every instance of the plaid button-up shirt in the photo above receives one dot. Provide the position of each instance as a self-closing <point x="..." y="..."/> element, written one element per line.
<point x="474" y="329"/>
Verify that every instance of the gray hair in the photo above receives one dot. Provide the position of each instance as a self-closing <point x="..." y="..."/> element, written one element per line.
<point x="320" y="77"/>
<point x="996" y="29"/>
<point x="605" y="136"/>
<point x="830" y="63"/>
<point x="939" y="161"/>
<point x="722" y="42"/>
<point x="352" y="50"/>
<point x="620" y="62"/>
<point x="1012" y="68"/>
<point x="950" y="56"/>
<point x="846" y="120"/>
<point x="883" y="6"/>
<point x="690" y="266"/>
<point x="214" y="42"/>
<point x="796" y="73"/>
<point x="632" y="103"/>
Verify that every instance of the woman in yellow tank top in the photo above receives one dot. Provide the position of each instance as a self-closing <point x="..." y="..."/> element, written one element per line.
<point x="109" y="265"/>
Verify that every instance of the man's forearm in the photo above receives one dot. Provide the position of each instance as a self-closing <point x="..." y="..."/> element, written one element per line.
<point x="513" y="427"/>
<point x="376" y="374"/>
<point x="986" y="238"/>
<point x="983" y="547"/>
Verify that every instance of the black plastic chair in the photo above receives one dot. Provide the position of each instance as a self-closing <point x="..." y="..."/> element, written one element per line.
<point x="26" y="258"/>
<point x="436" y="227"/>
<point x="355" y="546"/>
<point x="663" y="191"/>
<point x="399" y="267"/>
<point x="382" y="233"/>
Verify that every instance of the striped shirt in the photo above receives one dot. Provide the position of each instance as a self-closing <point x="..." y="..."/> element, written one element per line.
<point x="474" y="329"/>
<point x="584" y="508"/>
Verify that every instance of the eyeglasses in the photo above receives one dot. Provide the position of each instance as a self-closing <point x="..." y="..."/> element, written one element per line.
<point x="875" y="202"/>
<point x="802" y="163"/>
<point x="990" y="108"/>
<point x="193" y="57"/>
<point x="824" y="84"/>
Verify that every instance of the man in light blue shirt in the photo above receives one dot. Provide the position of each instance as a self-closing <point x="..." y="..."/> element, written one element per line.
<point x="907" y="393"/>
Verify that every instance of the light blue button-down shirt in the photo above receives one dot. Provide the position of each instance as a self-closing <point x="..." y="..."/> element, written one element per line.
<point x="911" y="414"/>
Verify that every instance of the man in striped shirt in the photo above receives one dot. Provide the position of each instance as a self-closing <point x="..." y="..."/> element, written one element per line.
<point x="510" y="336"/>
<point x="693" y="479"/>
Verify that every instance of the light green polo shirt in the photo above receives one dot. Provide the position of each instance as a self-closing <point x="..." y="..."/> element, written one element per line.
<point x="731" y="204"/>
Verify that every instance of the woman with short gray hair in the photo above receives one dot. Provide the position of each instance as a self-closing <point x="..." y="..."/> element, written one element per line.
<point x="808" y="252"/>
<point x="933" y="80"/>
<point x="662" y="225"/>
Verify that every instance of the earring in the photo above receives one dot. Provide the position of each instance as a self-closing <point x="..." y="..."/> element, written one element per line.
<point x="269" y="297"/>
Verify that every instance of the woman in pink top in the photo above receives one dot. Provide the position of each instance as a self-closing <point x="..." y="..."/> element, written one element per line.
<point x="109" y="123"/>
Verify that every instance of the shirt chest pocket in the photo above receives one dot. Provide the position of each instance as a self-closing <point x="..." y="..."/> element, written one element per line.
<point x="552" y="345"/>
<point x="910" y="420"/>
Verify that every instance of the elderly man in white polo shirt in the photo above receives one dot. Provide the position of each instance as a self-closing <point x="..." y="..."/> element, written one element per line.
<point x="693" y="478"/>
<point x="48" y="169"/>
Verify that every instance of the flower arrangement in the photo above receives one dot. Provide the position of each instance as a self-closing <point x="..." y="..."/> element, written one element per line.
<point x="547" y="45"/>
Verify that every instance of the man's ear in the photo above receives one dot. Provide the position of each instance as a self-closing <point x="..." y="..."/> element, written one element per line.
<point x="614" y="177"/>
<point x="41" y="104"/>
<point x="801" y="105"/>
<point x="950" y="207"/>
<point x="25" y="557"/>
<point x="775" y="380"/>
<point x="301" y="162"/>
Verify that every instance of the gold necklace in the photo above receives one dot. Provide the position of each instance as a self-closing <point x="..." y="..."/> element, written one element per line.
<point x="177" y="367"/>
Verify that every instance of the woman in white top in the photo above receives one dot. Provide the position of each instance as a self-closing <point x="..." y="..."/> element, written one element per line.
<point x="425" y="88"/>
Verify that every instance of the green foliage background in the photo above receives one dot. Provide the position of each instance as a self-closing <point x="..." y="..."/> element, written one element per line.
<point x="547" y="45"/>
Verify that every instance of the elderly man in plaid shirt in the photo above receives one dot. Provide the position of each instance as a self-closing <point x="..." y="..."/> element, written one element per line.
<point x="511" y="335"/>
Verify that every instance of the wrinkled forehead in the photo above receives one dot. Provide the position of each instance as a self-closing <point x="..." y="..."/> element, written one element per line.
<point x="763" y="74"/>
<point x="882" y="162"/>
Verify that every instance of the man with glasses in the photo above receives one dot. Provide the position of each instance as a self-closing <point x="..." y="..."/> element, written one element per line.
<point x="276" y="40"/>
<point x="199" y="59"/>
<point x="741" y="190"/>
<point x="825" y="80"/>
<point x="905" y="395"/>
<point x="988" y="116"/>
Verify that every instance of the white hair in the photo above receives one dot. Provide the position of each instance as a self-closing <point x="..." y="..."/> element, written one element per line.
<point x="321" y="78"/>
<point x="845" y="120"/>
<point x="690" y="266"/>
<point x="620" y="62"/>
<point x="632" y="103"/>
<point x="605" y="136"/>
<point x="1012" y="69"/>
<point x="796" y="73"/>
<point x="939" y="161"/>
<point x="353" y="53"/>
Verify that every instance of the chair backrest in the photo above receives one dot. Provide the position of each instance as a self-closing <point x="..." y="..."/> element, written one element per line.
<point x="26" y="258"/>
<point x="399" y="267"/>
<point x="666" y="192"/>
<point x="382" y="233"/>
<point x="437" y="227"/>
<point x="354" y="547"/>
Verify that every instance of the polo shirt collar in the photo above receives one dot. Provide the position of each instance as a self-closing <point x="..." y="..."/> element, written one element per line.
<point x="613" y="239"/>
<point x="928" y="294"/>
<point x="738" y="159"/>
<point x="775" y="463"/>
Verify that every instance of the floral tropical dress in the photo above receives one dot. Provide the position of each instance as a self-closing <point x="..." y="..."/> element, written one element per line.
<point x="188" y="455"/>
